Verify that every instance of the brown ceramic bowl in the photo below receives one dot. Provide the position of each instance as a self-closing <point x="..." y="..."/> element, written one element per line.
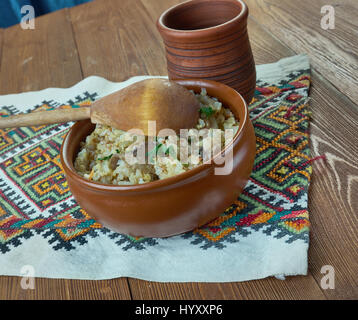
<point x="208" y="39"/>
<point x="174" y="205"/>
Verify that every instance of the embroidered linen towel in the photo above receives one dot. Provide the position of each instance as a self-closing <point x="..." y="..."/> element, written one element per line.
<point x="264" y="233"/>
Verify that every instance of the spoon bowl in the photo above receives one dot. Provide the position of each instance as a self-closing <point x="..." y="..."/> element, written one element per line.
<point x="167" y="103"/>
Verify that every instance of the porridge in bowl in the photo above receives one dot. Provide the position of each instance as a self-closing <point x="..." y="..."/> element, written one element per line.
<point x="110" y="155"/>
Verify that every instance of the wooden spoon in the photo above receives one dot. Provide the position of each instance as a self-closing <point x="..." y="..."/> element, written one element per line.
<point x="168" y="103"/>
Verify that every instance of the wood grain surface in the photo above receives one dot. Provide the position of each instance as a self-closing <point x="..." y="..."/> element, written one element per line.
<point x="333" y="199"/>
<point x="1" y="39"/>
<point x="43" y="57"/>
<point x="334" y="53"/>
<point x="119" y="40"/>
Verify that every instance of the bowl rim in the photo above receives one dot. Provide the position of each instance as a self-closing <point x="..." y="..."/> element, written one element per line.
<point x="194" y="173"/>
<point x="197" y="32"/>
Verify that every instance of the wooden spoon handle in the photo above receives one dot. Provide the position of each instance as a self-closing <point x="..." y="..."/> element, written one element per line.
<point x="45" y="117"/>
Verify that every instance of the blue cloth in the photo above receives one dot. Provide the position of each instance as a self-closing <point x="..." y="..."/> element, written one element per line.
<point x="10" y="10"/>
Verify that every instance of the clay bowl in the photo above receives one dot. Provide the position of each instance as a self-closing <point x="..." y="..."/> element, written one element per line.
<point x="173" y="205"/>
<point x="208" y="39"/>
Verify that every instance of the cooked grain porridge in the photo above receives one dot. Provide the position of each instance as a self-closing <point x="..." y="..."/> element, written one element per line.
<point x="103" y="157"/>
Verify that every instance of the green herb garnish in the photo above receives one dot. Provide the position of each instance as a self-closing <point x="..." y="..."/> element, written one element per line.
<point x="117" y="150"/>
<point x="157" y="147"/>
<point x="169" y="150"/>
<point x="106" y="158"/>
<point x="155" y="150"/>
<point x="208" y="111"/>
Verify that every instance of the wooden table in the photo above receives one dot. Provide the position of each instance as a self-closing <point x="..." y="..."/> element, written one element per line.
<point x="117" y="39"/>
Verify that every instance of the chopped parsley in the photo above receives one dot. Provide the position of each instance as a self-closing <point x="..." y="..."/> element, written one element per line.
<point x="208" y="111"/>
<point x="106" y="158"/>
<point x="162" y="149"/>
<point x="155" y="150"/>
<point x="157" y="147"/>
<point x="170" y="150"/>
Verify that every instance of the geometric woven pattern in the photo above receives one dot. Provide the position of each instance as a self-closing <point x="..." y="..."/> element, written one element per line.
<point x="35" y="199"/>
<point x="275" y="197"/>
